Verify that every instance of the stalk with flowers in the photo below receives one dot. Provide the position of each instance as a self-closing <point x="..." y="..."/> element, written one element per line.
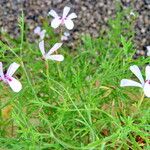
<point x="86" y="108"/>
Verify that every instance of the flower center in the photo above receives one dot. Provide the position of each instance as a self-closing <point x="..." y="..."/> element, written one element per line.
<point x="8" y="78"/>
<point x="147" y="81"/>
<point x="62" y="19"/>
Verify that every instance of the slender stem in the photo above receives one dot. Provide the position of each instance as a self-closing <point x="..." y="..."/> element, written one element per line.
<point x="22" y="32"/>
<point x="47" y="68"/>
<point x="47" y="71"/>
<point x="12" y="128"/>
<point x="29" y="80"/>
<point x="21" y="24"/>
<point x="141" y="100"/>
<point x="60" y="35"/>
<point x="59" y="71"/>
<point x="9" y="48"/>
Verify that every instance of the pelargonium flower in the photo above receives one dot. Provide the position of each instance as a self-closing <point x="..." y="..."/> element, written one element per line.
<point x="64" y="20"/>
<point x="49" y="55"/>
<point x="8" y="79"/>
<point x="145" y="85"/>
<point x="39" y="32"/>
<point x="65" y="36"/>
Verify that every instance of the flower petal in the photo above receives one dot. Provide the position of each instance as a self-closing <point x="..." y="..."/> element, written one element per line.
<point x="66" y="11"/>
<point x="64" y="38"/>
<point x="148" y="48"/>
<point x="41" y="46"/>
<point x="69" y="24"/>
<point x="127" y="82"/>
<point x="42" y="34"/>
<point x="53" y="13"/>
<point x="147" y="72"/>
<point x="15" y="85"/>
<point x="54" y="48"/>
<point x="1" y="71"/>
<point x="147" y="89"/>
<point x="55" y="57"/>
<point x="12" y="69"/>
<point x="72" y="16"/>
<point x="55" y="23"/>
<point x="136" y="71"/>
<point x="66" y="34"/>
<point x="37" y="30"/>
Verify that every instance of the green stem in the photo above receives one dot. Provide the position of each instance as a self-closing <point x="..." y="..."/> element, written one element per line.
<point x="141" y="100"/>
<point x="22" y="32"/>
<point x="60" y="34"/>
<point x="47" y="71"/>
<point x="29" y="80"/>
<point x="59" y="71"/>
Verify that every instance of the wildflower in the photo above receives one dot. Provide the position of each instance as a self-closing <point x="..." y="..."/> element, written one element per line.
<point x="65" y="36"/>
<point x="8" y="79"/>
<point x="145" y="85"/>
<point x="39" y="32"/>
<point x="49" y="54"/>
<point x="64" y="20"/>
<point x="148" y="50"/>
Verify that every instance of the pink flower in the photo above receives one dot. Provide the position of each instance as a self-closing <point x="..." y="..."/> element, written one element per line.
<point x="64" y="20"/>
<point x="39" y="32"/>
<point x="49" y="55"/>
<point x="145" y="85"/>
<point x="65" y="36"/>
<point x="8" y="79"/>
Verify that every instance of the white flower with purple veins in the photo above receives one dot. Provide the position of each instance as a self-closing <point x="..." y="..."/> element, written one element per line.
<point x="8" y="79"/>
<point x="64" y="20"/>
<point x="49" y="54"/>
<point x="145" y="85"/>
<point x="39" y="32"/>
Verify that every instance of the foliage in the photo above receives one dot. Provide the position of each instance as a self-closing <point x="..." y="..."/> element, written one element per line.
<point x="78" y="103"/>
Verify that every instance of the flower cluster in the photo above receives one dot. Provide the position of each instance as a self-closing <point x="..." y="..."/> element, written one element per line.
<point x="66" y="20"/>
